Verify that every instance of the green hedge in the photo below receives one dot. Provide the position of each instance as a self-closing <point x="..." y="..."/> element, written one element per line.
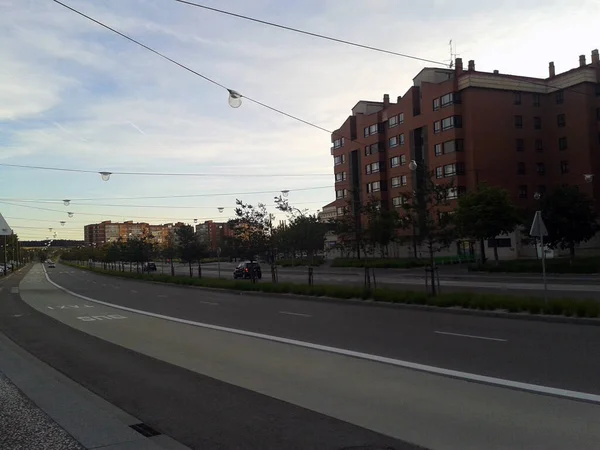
<point x="316" y="261"/>
<point x="470" y="300"/>
<point x="395" y="263"/>
<point x="558" y="265"/>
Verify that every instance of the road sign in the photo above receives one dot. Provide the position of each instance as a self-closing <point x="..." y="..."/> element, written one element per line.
<point x="538" y="227"/>
<point x="4" y="228"/>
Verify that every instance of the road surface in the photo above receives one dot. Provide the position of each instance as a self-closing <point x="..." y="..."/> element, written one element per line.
<point x="305" y="374"/>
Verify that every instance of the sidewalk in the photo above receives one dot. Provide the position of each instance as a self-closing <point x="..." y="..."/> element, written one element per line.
<point x="43" y="409"/>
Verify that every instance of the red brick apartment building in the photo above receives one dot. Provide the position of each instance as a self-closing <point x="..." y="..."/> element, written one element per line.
<point x="524" y="134"/>
<point x="212" y="234"/>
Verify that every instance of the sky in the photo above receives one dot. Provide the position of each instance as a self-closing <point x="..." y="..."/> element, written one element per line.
<point x="73" y="95"/>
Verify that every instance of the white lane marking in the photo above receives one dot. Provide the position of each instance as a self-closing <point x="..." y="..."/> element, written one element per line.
<point x="294" y="314"/>
<point x="207" y="303"/>
<point x="133" y="291"/>
<point x="14" y="290"/>
<point x="471" y="336"/>
<point x="535" y="388"/>
<point x="161" y="296"/>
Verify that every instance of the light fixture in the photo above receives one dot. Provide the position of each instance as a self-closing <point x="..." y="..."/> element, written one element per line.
<point x="285" y="192"/>
<point x="62" y="223"/>
<point x="537" y="196"/>
<point x="220" y="209"/>
<point x="70" y="214"/>
<point x="67" y="202"/>
<point x="50" y="229"/>
<point x="235" y="98"/>
<point x="195" y="220"/>
<point x="105" y="175"/>
<point x="413" y="165"/>
<point x="588" y="177"/>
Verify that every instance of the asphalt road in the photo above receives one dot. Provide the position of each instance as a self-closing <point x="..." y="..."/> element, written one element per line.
<point x="451" y="280"/>
<point x="197" y="410"/>
<point x="240" y="374"/>
<point x="556" y="355"/>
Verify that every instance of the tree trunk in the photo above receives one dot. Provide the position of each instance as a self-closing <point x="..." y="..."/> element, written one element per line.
<point x="199" y="270"/>
<point x="482" y="250"/>
<point x="432" y="267"/>
<point x="191" y="270"/>
<point x="496" y="252"/>
<point x="572" y="252"/>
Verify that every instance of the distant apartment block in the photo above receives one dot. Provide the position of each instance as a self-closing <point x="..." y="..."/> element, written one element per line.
<point x="212" y="234"/>
<point x="108" y="231"/>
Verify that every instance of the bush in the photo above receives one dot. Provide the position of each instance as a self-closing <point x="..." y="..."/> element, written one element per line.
<point x="316" y="261"/>
<point x="558" y="265"/>
<point x="396" y="263"/>
<point x="468" y="300"/>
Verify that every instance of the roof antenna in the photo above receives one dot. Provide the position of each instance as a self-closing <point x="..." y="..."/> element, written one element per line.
<point x="452" y="54"/>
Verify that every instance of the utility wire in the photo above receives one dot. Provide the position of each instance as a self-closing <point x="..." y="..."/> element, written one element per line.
<point x="166" y="174"/>
<point x="308" y="33"/>
<point x="147" y="206"/>
<point x="173" y="196"/>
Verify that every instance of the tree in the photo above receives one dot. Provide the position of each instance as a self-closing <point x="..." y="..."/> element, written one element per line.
<point x="484" y="214"/>
<point x="189" y="248"/>
<point x="426" y="211"/>
<point x="570" y="218"/>
<point x="349" y="227"/>
<point x="381" y="225"/>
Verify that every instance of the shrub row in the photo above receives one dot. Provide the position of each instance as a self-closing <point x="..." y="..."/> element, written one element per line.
<point x="317" y="261"/>
<point x="470" y="300"/>
<point x="558" y="265"/>
<point x="394" y="263"/>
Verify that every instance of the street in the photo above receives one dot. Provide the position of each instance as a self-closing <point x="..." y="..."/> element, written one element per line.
<point x="258" y="350"/>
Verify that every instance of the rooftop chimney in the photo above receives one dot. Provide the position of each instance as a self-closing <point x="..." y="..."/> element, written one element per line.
<point x="582" y="61"/>
<point x="471" y="65"/>
<point x="551" y="70"/>
<point x="595" y="57"/>
<point x="458" y="65"/>
<point x="386" y="100"/>
<point x="399" y="98"/>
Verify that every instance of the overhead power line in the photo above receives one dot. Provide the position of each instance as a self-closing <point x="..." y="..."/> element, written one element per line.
<point x="167" y="174"/>
<point x="53" y="202"/>
<point x="309" y="33"/>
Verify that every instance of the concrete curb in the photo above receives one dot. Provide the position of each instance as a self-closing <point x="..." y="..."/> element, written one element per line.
<point x="436" y="309"/>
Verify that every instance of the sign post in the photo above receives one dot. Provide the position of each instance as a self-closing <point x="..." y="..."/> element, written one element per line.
<point x="219" y="261"/>
<point x="539" y="230"/>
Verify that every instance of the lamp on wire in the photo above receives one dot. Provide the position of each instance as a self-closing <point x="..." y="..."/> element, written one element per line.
<point x="105" y="175"/>
<point x="62" y="223"/>
<point x="70" y="214"/>
<point x="285" y="192"/>
<point x="66" y="202"/>
<point x="220" y="208"/>
<point x="413" y="165"/>
<point x="195" y="220"/>
<point x="235" y="98"/>
<point x="588" y="177"/>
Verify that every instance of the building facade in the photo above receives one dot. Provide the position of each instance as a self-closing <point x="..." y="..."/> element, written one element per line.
<point x="106" y="232"/>
<point x="526" y="135"/>
<point x="212" y="234"/>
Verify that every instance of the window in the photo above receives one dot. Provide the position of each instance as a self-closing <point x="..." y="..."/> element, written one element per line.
<point x="541" y="168"/>
<point x="395" y="182"/>
<point x="597" y="113"/>
<point x="437" y="148"/>
<point x="436" y="126"/>
<point x="340" y="211"/>
<point x="401" y="118"/>
<point x="375" y="186"/>
<point x="560" y="97"/>
<point x="523" y="191"/>
<point x="499" y="243"/>
<point x="395" y="161"/>
<point x="402" y="160"/>
<point x="455" y="192"/>
<point x="393" y="121"/>
<point x="451" y="122"/>
<point x="436" y="104"/>
<point x="536" y="99"/>
<point x="397" y="201"/>
<point x="517" y="98"/>
<point x="439" y="172"/>
<point x="537" y="123"/>
<point x="366" y="131"/>
<point x="562" y="143"/>
<point x="340" y="159"/>
<point x="341" y="193"/>
<point x="372" y="149"/>
<point x="371" y="130"/>
<point x="539" y="146"/>
<point x="403" y="180"/>
<point x="393" y="141"/>
<point x="340" y="176"/>
<point x="402" y="139"/>
<point x="518" y="121"/>
<point x="520" y="145"/>
<point x="560" y="120"/>
<point x="338" y="143"/>
<point x="449" y="99"/>
<point x="521" y="168"/>
<point x="450" y="170"/>
<point x="598" y="90"/>
<point x="374" y="167"/>
<point x="564" y="167"/>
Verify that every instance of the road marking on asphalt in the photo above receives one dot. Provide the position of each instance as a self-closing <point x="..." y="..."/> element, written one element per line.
<point x="133" y="291"/>
<point x="501" y="382"/>
<point x="14" y="290"/>
<point x="294" y="314"/>
<point x="99" y="318"/>
<point x="161" y="296"/>
<point x="208" y="303"/>
<point x="471" y="336"/>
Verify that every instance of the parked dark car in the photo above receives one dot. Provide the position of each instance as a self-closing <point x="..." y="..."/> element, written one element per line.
<point x="149" y="267"/>
<point x="243" y="270"/>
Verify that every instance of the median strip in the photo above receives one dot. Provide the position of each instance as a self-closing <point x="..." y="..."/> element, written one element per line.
<point x="472" y="301"/>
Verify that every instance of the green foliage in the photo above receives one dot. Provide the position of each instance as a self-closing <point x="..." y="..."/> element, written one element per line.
<point x="396" y="263"/>
<point x="296" y="262"/>
<point x="554" y="265"/>
<point x="486" y="213"/>
<point x="381" y="225"/>
<point x="470" y="300"/>
<point x="252" y="230"/>
<point x="570" y="218"/>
